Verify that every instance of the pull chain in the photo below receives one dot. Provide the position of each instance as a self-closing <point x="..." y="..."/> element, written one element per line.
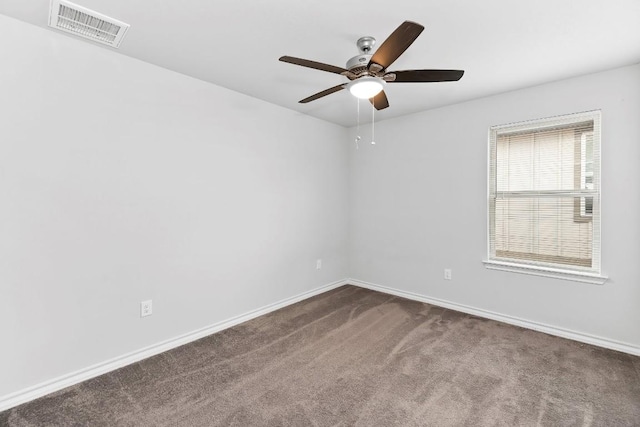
<point x="373" y="126"/>
<point x="358" y="138"/>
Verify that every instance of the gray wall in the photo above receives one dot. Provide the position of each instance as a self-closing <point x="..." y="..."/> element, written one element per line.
<point x="121" y="181"/>
<point x="418" y="205"/>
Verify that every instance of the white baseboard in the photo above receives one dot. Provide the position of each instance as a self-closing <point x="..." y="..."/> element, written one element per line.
<point x="42" y="389"/>
<point x="528" y="324"/>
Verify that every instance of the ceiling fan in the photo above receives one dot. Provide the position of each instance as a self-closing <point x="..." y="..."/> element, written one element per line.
<point x="368" y="72"/>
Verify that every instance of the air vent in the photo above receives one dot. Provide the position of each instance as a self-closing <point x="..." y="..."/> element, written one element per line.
<point x="86" y="23"/>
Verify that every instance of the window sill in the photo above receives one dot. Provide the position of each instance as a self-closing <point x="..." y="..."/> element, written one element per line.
<point x="575" y="276"/>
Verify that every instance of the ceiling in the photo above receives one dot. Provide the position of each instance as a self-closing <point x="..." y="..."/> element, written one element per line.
<point x="501" y="44"/>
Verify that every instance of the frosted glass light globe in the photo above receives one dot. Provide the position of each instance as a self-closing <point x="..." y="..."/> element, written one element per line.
<point x="366" y="87"/>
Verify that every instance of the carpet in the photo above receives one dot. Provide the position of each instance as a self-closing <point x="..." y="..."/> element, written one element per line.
<point x="356" y="357"/>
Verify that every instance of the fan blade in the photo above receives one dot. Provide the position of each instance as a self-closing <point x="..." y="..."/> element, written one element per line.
<point x="380" y="101"/>
<point x="313" y="64"/>
<point x="396" y="44"/>
<point x="422" y="76"/>
<point x="323" y="93"/>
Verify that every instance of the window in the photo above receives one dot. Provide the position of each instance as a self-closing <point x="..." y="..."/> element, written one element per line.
<point x="544" y="197"/>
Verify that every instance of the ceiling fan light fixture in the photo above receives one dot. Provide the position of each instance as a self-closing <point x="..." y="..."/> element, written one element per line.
<point x="366" y="87"/>
<point x="368" y="73"/>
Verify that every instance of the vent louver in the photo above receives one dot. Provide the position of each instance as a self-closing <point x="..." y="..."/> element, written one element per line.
<point x="86" y="23"/>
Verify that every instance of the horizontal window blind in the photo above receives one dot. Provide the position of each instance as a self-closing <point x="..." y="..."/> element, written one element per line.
<point x="544" y="192"/>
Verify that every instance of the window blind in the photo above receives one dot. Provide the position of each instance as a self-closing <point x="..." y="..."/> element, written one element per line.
<point x="544" y="192"/>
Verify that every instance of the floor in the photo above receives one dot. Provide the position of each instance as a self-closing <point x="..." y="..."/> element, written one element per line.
<point x="353" y="356"/>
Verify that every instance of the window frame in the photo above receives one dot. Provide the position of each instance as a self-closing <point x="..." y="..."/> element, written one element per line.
<point x="591" y="274"/>
<point x="581" y="211"/>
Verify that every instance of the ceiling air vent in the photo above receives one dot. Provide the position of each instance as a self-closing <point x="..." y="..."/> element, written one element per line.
<point x="86" y="23"/>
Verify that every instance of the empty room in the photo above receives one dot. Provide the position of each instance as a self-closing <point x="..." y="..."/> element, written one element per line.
<point x="304" y="213"/>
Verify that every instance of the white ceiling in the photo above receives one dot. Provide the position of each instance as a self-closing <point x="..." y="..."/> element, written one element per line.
<point x="501" y="44"/>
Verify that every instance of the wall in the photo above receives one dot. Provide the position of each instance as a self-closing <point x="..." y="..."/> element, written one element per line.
<point x="419" y="200"/>
<point x="121" y="181"/>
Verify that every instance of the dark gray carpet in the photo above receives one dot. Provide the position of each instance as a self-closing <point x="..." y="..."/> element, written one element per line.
<point x="357" y="357"/>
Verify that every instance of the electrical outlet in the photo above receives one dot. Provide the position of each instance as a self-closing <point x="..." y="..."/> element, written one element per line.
<point x="447" y="274"/>
<point x="318" y="264"/>
<point x="146" y="308"/>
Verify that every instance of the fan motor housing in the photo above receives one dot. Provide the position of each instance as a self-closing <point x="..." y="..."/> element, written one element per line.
<point x="358" y="63"/>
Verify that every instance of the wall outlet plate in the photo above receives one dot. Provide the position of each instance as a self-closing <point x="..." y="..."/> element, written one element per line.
<point x="447" y="274"/>
<point x="146" y="308"/>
